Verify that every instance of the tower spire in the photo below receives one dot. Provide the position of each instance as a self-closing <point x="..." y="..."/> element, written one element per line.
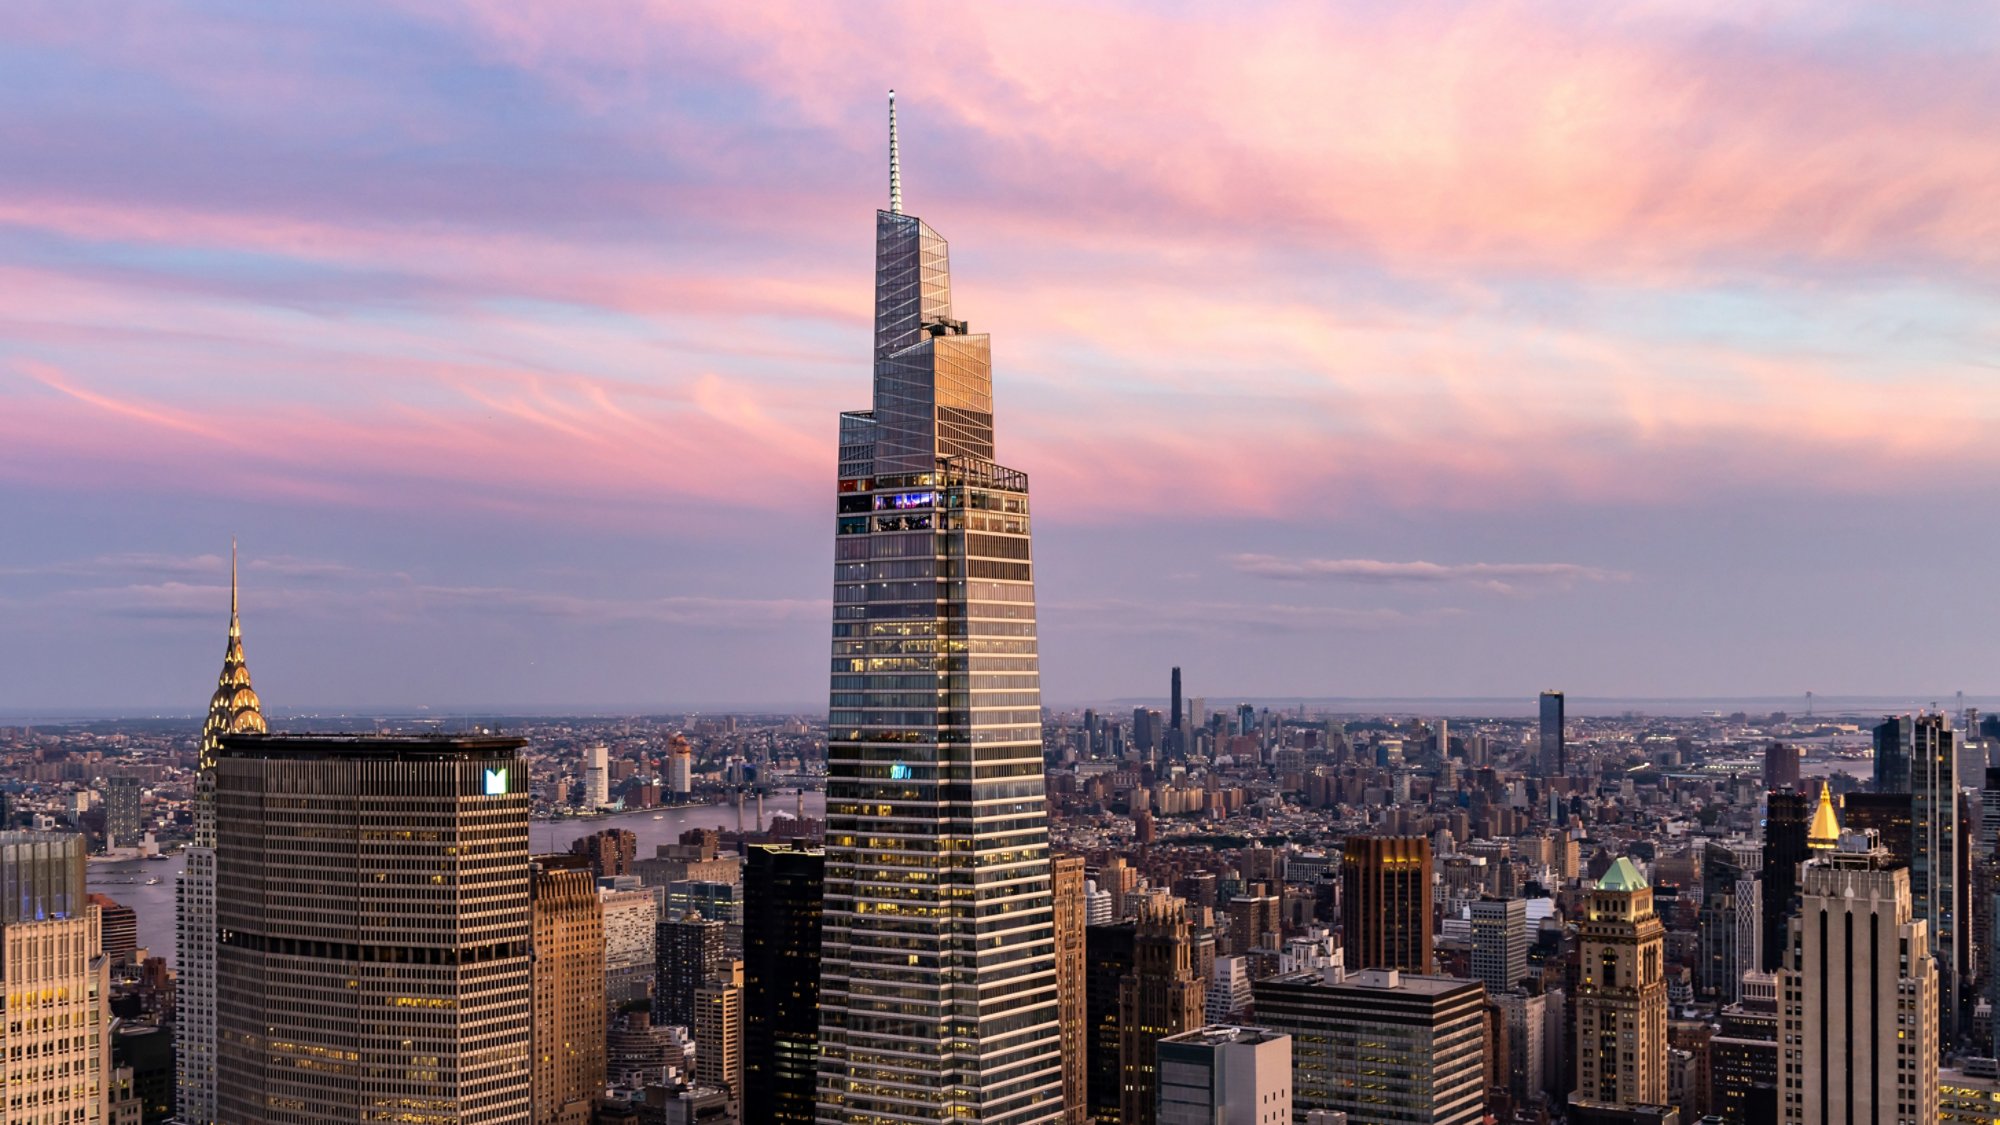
<point x="235" y="627"/>
<point x="895" y="165"/>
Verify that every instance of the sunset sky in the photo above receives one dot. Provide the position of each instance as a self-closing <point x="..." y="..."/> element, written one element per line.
<point x="1643" y="349"/>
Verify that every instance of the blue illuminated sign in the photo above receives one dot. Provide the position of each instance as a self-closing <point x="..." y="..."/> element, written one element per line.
<point x="496" y="782"/>
<point x="904" y="500"/>
<point x="899" y="772"/>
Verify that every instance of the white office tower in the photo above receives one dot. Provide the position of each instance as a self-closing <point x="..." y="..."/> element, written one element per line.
<point x="1225" y="1076"/>
<point x="1858" y="1026"/>
<point x="233" y="709"/>
<point x="938" y="955"/>
<point x="597" y="777"/>
<point x="1228" y="990"/>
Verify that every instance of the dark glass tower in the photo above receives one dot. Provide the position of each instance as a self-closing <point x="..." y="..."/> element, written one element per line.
<point x="938" y="968"/>
<point x="1554" y="758"/>
<point x="1892" y="754"/>
<point x="1786" y="817"/>
<point x="781" y="938"/>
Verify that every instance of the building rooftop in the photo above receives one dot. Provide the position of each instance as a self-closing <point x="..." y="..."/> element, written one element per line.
<point x="1623" y="876"/>
<point x="370" y="745"/>
<point x="1217" y="1034"/>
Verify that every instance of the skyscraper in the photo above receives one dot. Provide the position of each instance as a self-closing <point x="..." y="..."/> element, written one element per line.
<point x="1781" y="766"/>
<point x="1892" y="753"/>
<point x="1174" y="723"/>
<point x="1499" y="942"/>
<point x="691" y="951"/>
<point x="375" y="921"/>
<point x="680" y="767"/>
<point x="781" y="940"/>
<point x="938" y="974"/>
<point x="57" y="1062"/>
<point x="1938" y="871"/>
<point x="1070" y="962"/>
<point x="1163" y="995"/>
<point x="569" y="1057"/>
<point x="233" y="709"/>
<point x="1109" y="952"/>
<point x="121" y="812"/>
<point x="1385" y="902"/>
<point x="1858" y="997"/>
<point x="1621" y="1003"/>
<point x="1554" y="757"/>
<point x="1786" y="815"/>
<point x="718" y="1033"/>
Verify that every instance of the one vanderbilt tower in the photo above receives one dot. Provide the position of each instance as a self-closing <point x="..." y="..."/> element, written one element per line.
<point x="938" y="969"/>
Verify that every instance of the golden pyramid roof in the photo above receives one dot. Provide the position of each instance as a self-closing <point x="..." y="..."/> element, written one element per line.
<point x="234" y="708"/>
<point x="1824" y="835"/>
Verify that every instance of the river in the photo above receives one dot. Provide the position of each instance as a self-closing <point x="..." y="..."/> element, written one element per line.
<point x="128" y="880"/>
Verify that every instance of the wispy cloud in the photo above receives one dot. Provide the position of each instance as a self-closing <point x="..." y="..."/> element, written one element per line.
<point x="1170" y="615"/>
<point x="1496" y="577"/>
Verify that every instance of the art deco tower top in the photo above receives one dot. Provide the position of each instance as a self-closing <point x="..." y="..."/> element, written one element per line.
<point x="234" y="708"/>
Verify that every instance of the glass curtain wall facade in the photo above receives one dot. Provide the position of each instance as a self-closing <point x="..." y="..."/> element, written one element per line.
<point x="938" y="973"/>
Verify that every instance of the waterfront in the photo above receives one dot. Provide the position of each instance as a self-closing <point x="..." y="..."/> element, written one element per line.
<point x="126" y="880"/>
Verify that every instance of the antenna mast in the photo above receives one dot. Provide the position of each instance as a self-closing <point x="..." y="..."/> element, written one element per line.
<point x="895" y="165"/>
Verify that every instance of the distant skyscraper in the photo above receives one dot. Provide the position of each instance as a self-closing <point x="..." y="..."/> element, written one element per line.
<point x="1381" y="1045"/>
<point x="121" y="929"/>
<point x="373" y="903"/>
<point x="1939" y="883"/>
<point x="781" y="939"/>
<point x="1554" y="757"/>
<point x="680" y="767"/>
<point x="1499" y="942"/>
<point x="1786" y="816"/>
<point x="57" y="1062"/>
<point x="1226" y="1076"/>
<point x="1175" y="722"/>
<point x="569" y="1059"/>
<point x="1859" y="999"/>
<point x="233" y="709"/>
<point x="1385" y="902"/>
<point x="1621" y="1004"/>
<point x="1781" y="766"/>
<point x="596" y="777"/>
<point x="1892" y="753"/>
<point x="937" y="868"/>
<point x="1070" y="985"/>
<point x="121" y="812"/>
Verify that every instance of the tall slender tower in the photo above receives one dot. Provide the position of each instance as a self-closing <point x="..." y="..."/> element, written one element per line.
<point x="938" y="997"/>
<point x="1553" y="755"/>
<point x="233" y="709"/>
<point x="1621" y="1005"/>
<point x="1938" y="871"/>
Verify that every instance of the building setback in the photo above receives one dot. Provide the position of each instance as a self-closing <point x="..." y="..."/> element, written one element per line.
<point x="1381" y="1045"/>
<point x="375" y="930"/>
<point x="938" y="990"/>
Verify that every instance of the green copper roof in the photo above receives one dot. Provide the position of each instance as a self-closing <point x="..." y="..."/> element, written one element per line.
<point x="1623" y="876"/>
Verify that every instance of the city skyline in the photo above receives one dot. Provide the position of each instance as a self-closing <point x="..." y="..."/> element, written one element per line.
<point x="507" y="344"/>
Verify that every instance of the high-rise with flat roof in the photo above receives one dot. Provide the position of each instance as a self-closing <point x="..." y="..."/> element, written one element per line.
<point x="375" y="930"/>
<point x="1786" y="816"/>
<point x="1939" y="874"/>
<point x="1221" y="1075"/>
<point x="1499" y="942"/>
<point x="569" y="1049"/>
<point x="233" y="709"/>
<point x="938" y="991"/>
<point x="1385" y="902"/>
<point x="1381" y="1045"/>
<point x="1070" y="963"/>
<point x="781" y="939"/>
